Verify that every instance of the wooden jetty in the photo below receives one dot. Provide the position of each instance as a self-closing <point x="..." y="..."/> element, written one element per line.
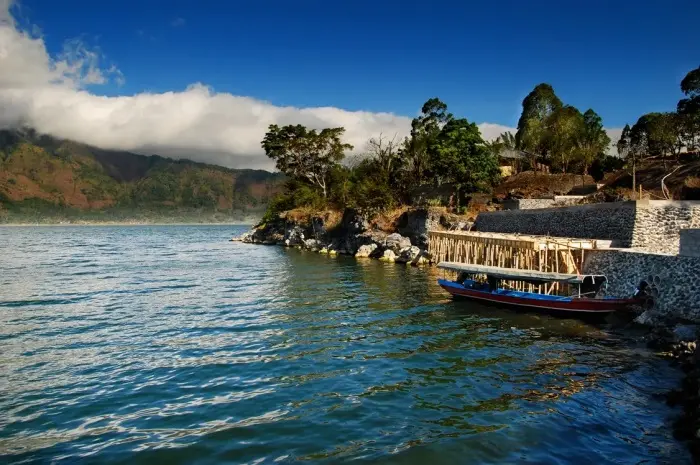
<point x="538" y="253"/>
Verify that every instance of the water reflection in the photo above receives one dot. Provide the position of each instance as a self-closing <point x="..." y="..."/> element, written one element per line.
<point x="169" y="344"/>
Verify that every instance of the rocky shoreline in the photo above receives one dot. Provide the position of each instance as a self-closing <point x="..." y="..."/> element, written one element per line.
<point x="681" y="346"/>
<point x="406" y="241"/>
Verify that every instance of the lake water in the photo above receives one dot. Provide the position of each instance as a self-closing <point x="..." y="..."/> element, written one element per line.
<point x="168" y="344"/>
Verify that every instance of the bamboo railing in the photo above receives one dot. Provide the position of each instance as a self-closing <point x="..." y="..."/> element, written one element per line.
<point x="541" y="253"/>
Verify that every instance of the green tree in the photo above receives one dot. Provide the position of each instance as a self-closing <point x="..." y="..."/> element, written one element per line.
<point x="424" y="130"/>
<point x="508" y="140"/>
<point x="306" y="154"/>
<point x="689" y="109"/>
<point x="625" y="143"/>
<point x="386" y="152"/>
<point x="629" y="151"/>
<point x="564" y="128"/>
<point x="655" y="134"/>
<point x="505" y="141"/>
<point x="690" y="85"/>
<point x="459" y="155"/>
<point x="593" y="139"/>
<point x="538" y="106"/>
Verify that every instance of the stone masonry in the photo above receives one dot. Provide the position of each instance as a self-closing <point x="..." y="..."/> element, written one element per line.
<point x="658" y="224"/>
<point x="676" y="278"/>
<point x="651" y="225"/>
<point x="531" y="204"/>
<point x="612" y="221"/>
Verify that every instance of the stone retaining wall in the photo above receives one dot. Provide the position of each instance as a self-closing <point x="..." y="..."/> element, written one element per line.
<point x="679" y="292"/>
<point x="658" y="224"/>
<point x="651" y="225"/>
<point x="612" y="221"/>
<point x="531" y="204"/>
<point x="690" y="242"/>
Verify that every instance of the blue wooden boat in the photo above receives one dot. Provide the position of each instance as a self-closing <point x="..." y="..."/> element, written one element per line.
<point x="487" y="284"/>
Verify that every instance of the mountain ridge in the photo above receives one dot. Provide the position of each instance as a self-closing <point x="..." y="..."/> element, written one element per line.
<point x="43" y="176"/>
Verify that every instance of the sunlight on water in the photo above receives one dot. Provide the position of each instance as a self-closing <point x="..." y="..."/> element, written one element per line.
<point x="169" y="344"/>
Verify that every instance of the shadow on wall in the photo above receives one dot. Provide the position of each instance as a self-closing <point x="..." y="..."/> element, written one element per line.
<point x="690" y="243"/>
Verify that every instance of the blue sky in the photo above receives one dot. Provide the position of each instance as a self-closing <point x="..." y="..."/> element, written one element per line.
<point x="620" y="58"/>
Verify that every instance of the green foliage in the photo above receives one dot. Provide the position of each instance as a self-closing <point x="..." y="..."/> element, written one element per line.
<point x="593" y="139"/>
<point x="538" y="107"/>
<point x="508" y="140"/>
<point x="459" y="155"/>
<point x="277" y="205"/>
<point x="439" y="149"/>
<point x="305" y="154"/>
<point x="564" y="128"/>
<point x="689" y="110"/>
<point x="550" y="130"/>
<point x="341" y="182"/>
<point x="655" y="134"/>
<point x="370" y="189"/>
<point x="159" y="186"/>
<point x="133" y="184"/>
<point x="690" y="85"/>
<point x="624" y="145"/>
<point x="424" y="131"/>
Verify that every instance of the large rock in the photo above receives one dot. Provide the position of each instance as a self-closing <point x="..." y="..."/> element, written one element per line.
<point x="365" y="251"/>
<point x="245" y="237"/>
<point x="389" y="256"/>
<point x="293" y="235"/>
<point x="413" y="255"/>
<point x="353" y="222"/>
<point x="415" y="224"/>
<point x="313" y="244"/>
<point x="408" y="254"/>
<point x="396" y="243"/>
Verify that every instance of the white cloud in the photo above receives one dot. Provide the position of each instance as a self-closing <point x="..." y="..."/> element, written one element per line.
<point x="50" y="95"/>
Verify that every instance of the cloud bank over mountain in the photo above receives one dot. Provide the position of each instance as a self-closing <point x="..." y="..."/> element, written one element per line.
<point x="50" y="94"/>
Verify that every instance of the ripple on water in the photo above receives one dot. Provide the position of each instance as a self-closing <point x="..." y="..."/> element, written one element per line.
<point x="172" y="345"/>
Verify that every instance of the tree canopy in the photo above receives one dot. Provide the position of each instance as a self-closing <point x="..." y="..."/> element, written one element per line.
<point x="689" y="110"/>
<point x="460" y="156"/>
<point x="550" y="130"/>
<point x="594" y="140"/>
<point x="305" y="154"/>
<point x="538" y="107"/>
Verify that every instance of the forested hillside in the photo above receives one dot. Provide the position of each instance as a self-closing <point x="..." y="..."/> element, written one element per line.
<point x="42" y="178"/>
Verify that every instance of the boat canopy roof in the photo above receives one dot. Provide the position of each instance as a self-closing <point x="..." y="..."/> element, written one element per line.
<point x="520" y="275"/>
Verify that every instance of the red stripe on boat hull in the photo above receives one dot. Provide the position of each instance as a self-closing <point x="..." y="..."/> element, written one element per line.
<point x="574" y="305"/>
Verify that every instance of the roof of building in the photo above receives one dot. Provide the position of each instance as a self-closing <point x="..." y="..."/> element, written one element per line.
<point x="512" y="154"/>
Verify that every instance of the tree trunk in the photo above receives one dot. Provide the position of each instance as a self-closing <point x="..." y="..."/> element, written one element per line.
<point x="634" y="177"/>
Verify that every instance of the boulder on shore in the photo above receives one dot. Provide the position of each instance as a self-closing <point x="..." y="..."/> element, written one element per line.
<point x="389" y="256"/>
<point x="396" y="242"/>
<point x="408" y="254"/>
<point x="413" y="255"/>
<point x="293" y="235"/>
<point x="365" y="251"/>
<point x="313" y="245"/>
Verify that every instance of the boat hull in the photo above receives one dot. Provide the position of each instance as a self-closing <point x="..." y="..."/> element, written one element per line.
<point x="527" y="301"/>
